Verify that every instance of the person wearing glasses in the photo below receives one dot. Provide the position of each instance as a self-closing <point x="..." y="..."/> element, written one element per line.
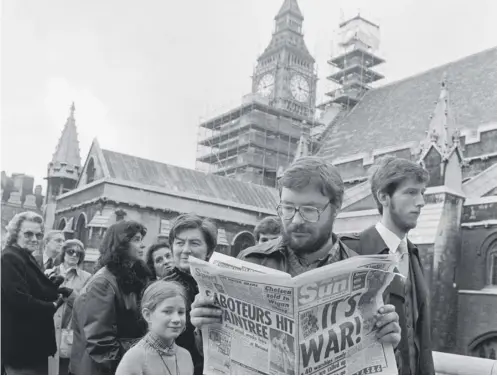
<point x="71" y="257"/>
<point x="29" y="300"/>
<point x="311" y="193"/>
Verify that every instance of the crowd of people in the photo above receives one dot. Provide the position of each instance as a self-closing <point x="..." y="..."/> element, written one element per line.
<point x="141" y="312"/>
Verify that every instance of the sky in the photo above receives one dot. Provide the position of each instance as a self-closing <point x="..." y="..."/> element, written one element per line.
<point x="144" y="73"/>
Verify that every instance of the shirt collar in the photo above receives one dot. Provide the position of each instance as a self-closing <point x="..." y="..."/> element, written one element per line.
<point x="64" y="271"/>
<point x="45" y="258"/>
<point x="391" y="240"/>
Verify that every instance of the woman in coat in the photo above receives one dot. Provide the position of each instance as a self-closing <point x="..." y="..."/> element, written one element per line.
<point x="29" y="300"/>
<point x="106" y="316"/>
<point x="193" y="236"/>
<point x="71" y="258"/>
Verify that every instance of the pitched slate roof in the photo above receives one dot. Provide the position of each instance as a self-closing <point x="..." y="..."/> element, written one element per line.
<point x="185" y="181"/>
<point x="399" y="112"/>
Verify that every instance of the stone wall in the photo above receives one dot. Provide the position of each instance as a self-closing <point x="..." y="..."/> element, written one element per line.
<point x="476" y="318"/>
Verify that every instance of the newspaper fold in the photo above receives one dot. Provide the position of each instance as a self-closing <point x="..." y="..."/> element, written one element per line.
<point x="320" y="322"/>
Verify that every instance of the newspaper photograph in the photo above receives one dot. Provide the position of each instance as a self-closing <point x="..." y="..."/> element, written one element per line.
<point x="320" y="322"/>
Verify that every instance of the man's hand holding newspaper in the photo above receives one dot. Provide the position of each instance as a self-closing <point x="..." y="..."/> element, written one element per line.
<point x="257" y="320"/>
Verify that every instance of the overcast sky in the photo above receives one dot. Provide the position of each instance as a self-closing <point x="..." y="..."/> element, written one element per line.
<point x="143" y="73"/>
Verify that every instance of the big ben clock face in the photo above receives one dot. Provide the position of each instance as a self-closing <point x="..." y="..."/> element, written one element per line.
<point x="266" y="85"/>
<point x="299" y="88"/>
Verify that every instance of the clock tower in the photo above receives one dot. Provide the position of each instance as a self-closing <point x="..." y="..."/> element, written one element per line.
<point x="285" y="73"/>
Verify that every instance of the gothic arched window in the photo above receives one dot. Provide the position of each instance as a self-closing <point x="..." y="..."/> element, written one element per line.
<point x="90" y="171"/>
<point x="492" y="265"/>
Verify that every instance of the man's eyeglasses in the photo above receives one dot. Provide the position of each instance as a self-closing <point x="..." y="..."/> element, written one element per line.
<point x="73" y="252"/>
<point x="308" y="213"/>
<point x="30" y="234"/>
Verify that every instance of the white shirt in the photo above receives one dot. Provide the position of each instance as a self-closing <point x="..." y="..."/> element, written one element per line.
<point x="392" y="241"/>
<point x="46" y="258"/>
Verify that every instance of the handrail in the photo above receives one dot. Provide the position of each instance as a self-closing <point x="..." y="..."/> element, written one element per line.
<point x="454" y="364"/>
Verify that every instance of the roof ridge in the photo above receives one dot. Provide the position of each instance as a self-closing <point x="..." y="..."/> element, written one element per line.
<point x="434" y="68"/>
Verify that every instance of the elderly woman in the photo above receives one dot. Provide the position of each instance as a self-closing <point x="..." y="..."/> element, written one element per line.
<point x="29" y="300"/>
<point x="190" y="235"/>
<point x="71" y="257"/>
<point x="106" y="316"/>
<point x="159" y="260"/>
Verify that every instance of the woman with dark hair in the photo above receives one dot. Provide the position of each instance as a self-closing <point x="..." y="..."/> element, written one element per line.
<point x="106" y="316"/>
<point x="159" y="260"/>
<point x="193" y="236"/>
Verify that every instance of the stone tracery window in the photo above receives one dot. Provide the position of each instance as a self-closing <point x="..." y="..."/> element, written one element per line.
<point x="492" y="266"/>
<point x="90" y="171"/>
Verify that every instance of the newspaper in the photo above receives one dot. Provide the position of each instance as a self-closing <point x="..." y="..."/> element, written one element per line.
<point x="320" y="322"/>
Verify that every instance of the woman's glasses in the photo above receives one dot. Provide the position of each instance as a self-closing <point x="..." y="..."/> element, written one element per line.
<point x="30" y="234"/>
<point x="73" y="252"/>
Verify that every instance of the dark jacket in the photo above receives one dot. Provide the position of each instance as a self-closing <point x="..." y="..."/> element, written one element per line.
<point x="272" y="254"/>
<point x="106" y="323"/>
<point x="28" y="332"/>
<point x="370" y="242"/>
<point x="187" y="338"/>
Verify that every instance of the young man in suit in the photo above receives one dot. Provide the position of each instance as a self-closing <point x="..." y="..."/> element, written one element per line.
<point x="47" y="257"/>
<point x="398" y="187"/>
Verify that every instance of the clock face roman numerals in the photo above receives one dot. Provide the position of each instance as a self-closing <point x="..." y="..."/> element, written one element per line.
<point x="299" y="88"/>
<point x="266" y="85"/>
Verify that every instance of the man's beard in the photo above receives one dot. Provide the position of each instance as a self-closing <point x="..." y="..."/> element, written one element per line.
<point x="313" y="243"/>
<point x="397" y="219"/>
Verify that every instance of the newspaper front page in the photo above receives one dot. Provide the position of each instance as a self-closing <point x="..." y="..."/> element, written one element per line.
<point x="320" y="322"/>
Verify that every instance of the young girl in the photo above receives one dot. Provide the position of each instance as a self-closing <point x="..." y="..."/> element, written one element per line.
<point x="164" y="309"/>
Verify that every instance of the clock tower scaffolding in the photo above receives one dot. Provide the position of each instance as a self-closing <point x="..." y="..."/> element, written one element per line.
<point x="257" y="140"/>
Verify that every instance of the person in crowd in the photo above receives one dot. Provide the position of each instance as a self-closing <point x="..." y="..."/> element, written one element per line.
<point x="160" y="260"/>
<point x="29" y="300"/>
<point x="106" y="318"/>
<point x="311" y="193"/>
<point x="398" y="186"/>
<point x="47" y="257"/>
<point x="164" y="310"/>
<point x="190" y="235"/>
<point x="71" y="258"/>
<point x="267" y="229"/>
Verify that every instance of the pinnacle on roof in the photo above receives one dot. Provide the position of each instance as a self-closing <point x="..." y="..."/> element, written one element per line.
<point x="303" y="146"/>
<point x="442" y="131"/>
<point x="290" y="6"/>
<point x="67" y="151"/>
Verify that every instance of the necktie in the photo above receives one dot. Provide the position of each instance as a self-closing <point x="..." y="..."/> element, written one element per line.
<point x="403" y="258"/>
<point x="49" y="264"/>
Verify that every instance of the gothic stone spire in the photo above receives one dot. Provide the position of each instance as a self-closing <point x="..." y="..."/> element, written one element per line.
<point x="66" y="161"/>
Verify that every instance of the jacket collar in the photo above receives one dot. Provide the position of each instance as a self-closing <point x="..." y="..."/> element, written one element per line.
<point x="279" y="245"/>
<point x="372" y="243"/>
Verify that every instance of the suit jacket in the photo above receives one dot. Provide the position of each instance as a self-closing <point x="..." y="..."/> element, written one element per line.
<point x="370" y="242"/>
<point x="28" y="332"/>
<point x="38" y="256"/>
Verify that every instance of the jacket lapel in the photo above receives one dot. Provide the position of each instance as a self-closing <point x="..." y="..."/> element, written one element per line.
<point x="371" y="243"/>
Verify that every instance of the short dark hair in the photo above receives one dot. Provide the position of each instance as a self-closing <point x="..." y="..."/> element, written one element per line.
<point x="269" y="225"/>
<point x="193" y="221"/>
<point x="314" y="171"/>
<point x="149" y="258"/>
<point x="389" y="172"/>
